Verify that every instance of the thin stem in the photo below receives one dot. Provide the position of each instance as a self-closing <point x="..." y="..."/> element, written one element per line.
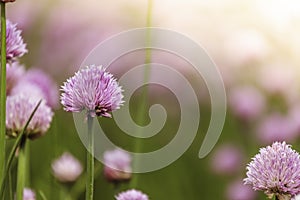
<point x="79" y="186"/>
<point x="143" y="106"/>
<point x="90" y="161"/>
<point x="21" y="176"/>
<point x="3" y="91"/>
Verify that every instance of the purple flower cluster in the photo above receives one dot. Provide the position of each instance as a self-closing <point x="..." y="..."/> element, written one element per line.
<point x="15" y="47"/>
<point x="28" y="194"/>
<point x="18" y="111"/>
<point x="66" y="168"/>
<point x="92" y="89"/>
<point x="14" y="73"/>
<point x="25" y="89"/>
<point x="132" y="195"/>
<point x="117" y="165"/>
<point x="275" y="170"/>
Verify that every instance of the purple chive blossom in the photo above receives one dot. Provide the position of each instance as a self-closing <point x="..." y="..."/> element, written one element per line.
<point x="132" y="195"/>
<point x="28" y="89"/>
<point x="247" y="102"/>
<point x="117" y="165"/>
<point x="276" y="127"/>
<point x="47" y="86"/>
<point x="276" y="171"/>
<point x="18" y="111"/>
<point x="227" y="160"/>
<point x="14" y="73"/>
<point x="92" y="89"/>
<point x="28" y="194"/>
<point x="238" y="191"/>
<point x="66" y="168"/>
<point x="15" y="47"/>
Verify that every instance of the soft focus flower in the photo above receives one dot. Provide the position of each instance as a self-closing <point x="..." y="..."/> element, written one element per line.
<point x="45" y="83"/>
<point x="246" y="102"/>
<point x="92" y="89"/>
<point x="25" y="88"/>
<point x="66" y="168"/>
<point x="14" y="73"/>
<point x="276" y="127"/>
<point x="28" y="194"/>
<point x="278" y="78"/>
<point x="227" y="160"/>
<point x="18" y="111"/>
<point x="132" y="195"/>
<point x="15" y="47"/>
<point x="238" y="191"/>
<point x="275" y="170"/>
<point x="117" y="165"/>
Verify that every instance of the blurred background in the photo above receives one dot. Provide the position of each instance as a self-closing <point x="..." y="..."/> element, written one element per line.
<point x="255" y="45"/>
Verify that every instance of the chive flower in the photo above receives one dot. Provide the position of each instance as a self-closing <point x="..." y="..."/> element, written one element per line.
<point x="18" y="111"/>
<point x="276" y="171"/>
<point x="15" y="47"/>
<point x="92" y="89"/>
<point x="132" y="195"/>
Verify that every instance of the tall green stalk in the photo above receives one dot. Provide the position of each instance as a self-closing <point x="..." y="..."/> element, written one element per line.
<point x="90" y="161"/>
<point x="144" y="101"/>
<point x="21" y="173"/>
<point x="3" y="91"/>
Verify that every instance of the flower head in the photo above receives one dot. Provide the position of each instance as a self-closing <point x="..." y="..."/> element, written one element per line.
<point x="15" y="47"/>
<point x="18" y="111"/>
<point x="92" y="89"/>
<point x="14" y="72"/>
<point x="246" y="102"/>
<point x="23" y="87"/>
<point x="275" y="170"/>
<point x="117" y="165"/>
<point x="276" y="127"/>
<point x="132" y="195"/>
<point x="28" y="194"/>
<point x="227" y="159"/>
<point x="238" y="191"/>
<point x="47" y="86"/>
<point x="66" y="168"/>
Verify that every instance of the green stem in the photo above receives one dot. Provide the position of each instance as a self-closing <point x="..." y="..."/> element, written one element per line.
<point x="90" y="161"/>
<point x="14" y="149"/>
<point x="3" y="91"/>
<point x="79" y="186"/>
<point x="143" y="106"/>
<point x="21" y="176"/>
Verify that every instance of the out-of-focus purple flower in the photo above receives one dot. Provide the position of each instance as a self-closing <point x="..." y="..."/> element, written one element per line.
<point x="66" y="168"/>
<point x="14" y="73"/>
<point x="278" y="79"/>
<point x="294" y="116"/>
<point x="117" y="165"/>
<point x="92" y="89"/>
<point x="45" y="83"/>
<point x="18" y="111"/>
<point x="28" y="89"/>
<point x="238" y="191"/>
<point x="28" y="194"/>
<point x="275" y="170"/>
<point x="246" y="102"/>
<point x="276" y="127"/>
<point x="227" y="160"/>
<point x="15" y="47"/>
<point x="132" y="195"/>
